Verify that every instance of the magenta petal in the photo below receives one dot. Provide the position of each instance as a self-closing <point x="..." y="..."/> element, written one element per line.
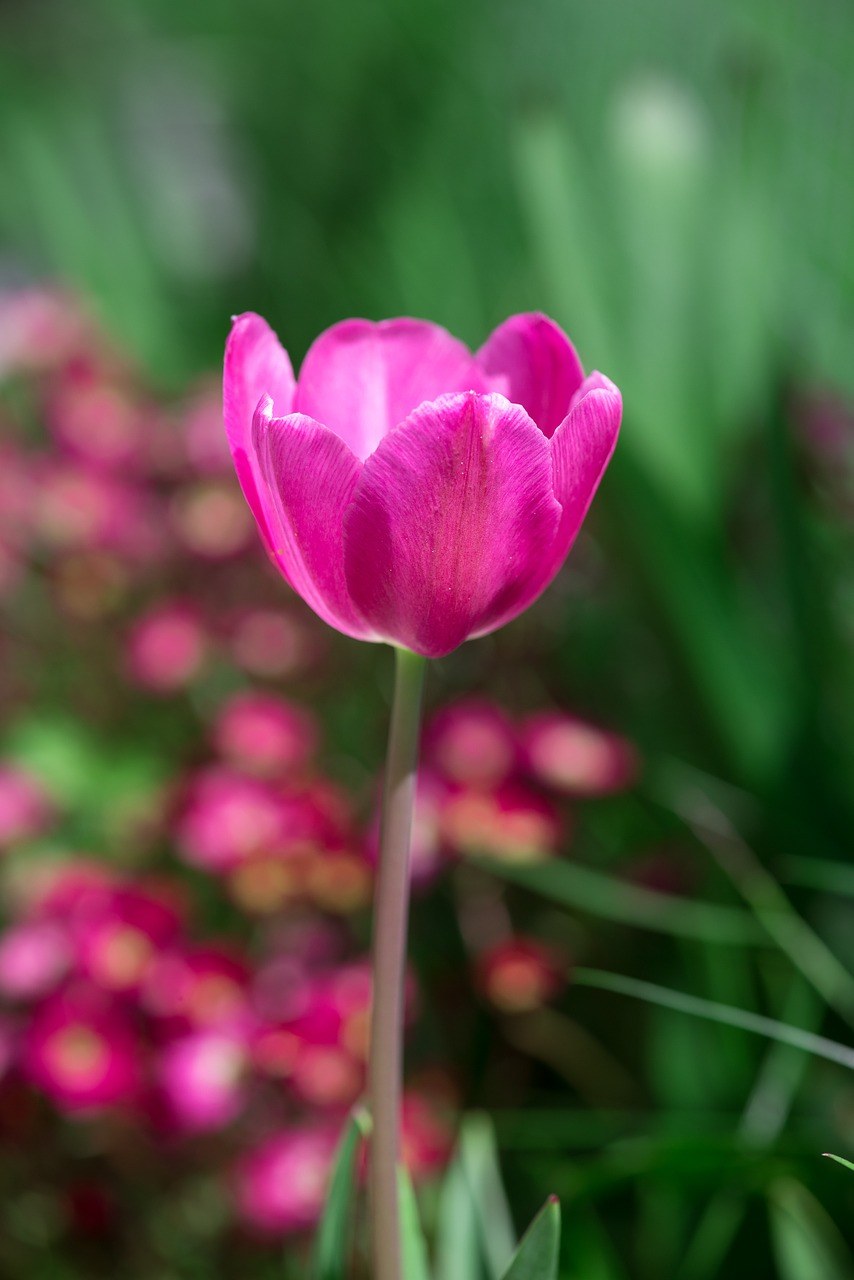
<point x="361" y="378"/>
<point x="256" y="365"/>
<point x="449" y="523"/>
<point x="531" y="361"/>
<point x="307" y="479"/>
<point x="581" y="450"/>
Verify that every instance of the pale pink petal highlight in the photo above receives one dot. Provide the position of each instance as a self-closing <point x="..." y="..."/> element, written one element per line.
<point x="256" y="365"/>
<point x="531" y="361"/>
<point x="361" y="379"/>
<point x="449" y="521"/>
<point x="308" y="475"/>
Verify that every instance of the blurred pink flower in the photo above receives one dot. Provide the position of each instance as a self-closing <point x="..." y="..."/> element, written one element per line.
<point x="204" y="988"/>
<point x="34" y="957"/>
<point x="167" y="647"/>
<point x="83" y="1052"/>
<point x="228" y="817"/>
<point x="211" y="520"/>
<point x="264" y="734"/>
<point x="39" y="328"/>
<point x="407" y="490"/>
<point x="426" y="1135"/>
<point x="520" y="975"/>
<point x="472" y="743"/>
<point x="94" y="415"/>
<point x="281" y="1185"/>
<point x="120" y="936"/>
<point x="272" y="644"/>
<point x="569" y="755"/>
<point x="25" y="808"/>
<point x="203" y="1079"/>
<point x="512" y="823"/>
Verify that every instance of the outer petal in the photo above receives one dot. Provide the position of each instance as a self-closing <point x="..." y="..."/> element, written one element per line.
<point x="362" y="378"/>
<point x="449" y="522"/>
<point x="530" y="360"/>
<point x="307" y="477"/>
<point x="581" y="450"/>
<point x="256" y="365"/>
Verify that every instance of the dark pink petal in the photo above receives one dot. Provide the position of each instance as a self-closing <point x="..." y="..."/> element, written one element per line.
<point x="531" y="361"/>
<point x="256" y="365"/>
<point x="361" y="379"/>
<point x="307" y="479"/>
<point x="450" y="522"/>
<point x="581" y="450"/>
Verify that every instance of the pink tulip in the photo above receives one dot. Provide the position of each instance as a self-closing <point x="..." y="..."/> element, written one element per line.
<point x="409" y="491"/>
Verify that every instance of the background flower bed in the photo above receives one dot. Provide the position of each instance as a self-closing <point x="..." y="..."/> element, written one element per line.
<point x="671" y="187"/>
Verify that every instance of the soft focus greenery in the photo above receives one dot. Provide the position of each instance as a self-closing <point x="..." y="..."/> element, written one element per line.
<point x="672" y="181"/>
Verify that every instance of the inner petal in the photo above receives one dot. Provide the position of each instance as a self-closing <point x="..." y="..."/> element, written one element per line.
<point x="361" y="379"/>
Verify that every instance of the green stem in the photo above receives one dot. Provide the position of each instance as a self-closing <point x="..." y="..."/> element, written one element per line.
<point x="819" y="1046"/>
<point x="389" y="962"/>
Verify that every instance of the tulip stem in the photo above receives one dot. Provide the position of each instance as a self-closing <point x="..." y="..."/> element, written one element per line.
<point x="391" y="912"/>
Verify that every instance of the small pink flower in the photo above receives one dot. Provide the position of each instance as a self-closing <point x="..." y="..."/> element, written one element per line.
<point x="273" y="645"/>
<point x="95" y="417"/>
<point x="281" y="1185"/>
<point x="203" y="988"/>
<point x="39" y="328"/>
<point x="120" y="937"/>
<point x="82" y="1052"/>
<point x="211" y="520"/>
<point x="426" y="1135"/>
<point x="512" y="823"/>
<point x="409" y="491"/>
<point x="520" y="975"/>
<point x="25" y="809"/>
<point x="229" y="817"/>
<point x="569" y="755"/>
<point x="265" y="735"/>
<point x="167" y="648"/>
<point x="472" y="743"/>
<point x="34" y="957"/>
<point x="203" y="1079"/>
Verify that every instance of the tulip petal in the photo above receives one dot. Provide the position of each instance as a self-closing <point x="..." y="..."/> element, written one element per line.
<point x="449" y="522"/>
<point x="307" y="478"/>
<point x="256" y="364"/>
<point x="531" y="361"/>
<point x="361" y="379"/>
<point x="581" y="450"/>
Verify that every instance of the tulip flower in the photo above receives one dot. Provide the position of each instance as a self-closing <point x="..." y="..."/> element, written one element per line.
<point x="407" y="490"/>
<point x="413" y="493"/>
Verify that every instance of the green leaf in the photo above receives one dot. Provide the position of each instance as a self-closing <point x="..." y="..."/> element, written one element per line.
<point x="415" y="1266"/>
<point x="458" y="1237"/>
<point x="537" y="1255"/>
<point x="330" y="1260"/>
<point x="479" y="1159"/>
<point x="807" y="1243"/>
<point x="839" y="1160"/>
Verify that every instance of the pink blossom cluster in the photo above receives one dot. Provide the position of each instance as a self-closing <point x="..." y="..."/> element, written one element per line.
<point x="124" y="509"/>
<point x="112" y="1007"/>
<point x="495" y="788"/>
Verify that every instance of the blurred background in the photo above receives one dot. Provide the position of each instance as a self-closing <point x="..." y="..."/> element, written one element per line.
<point x="650" y="773"/>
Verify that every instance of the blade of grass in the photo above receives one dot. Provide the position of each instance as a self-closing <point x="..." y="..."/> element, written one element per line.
<point x="601" y="895"/>
<point x="755" y="1023"/>
<point x="537" y="1255"/>
<point x="330" y="1257"/>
